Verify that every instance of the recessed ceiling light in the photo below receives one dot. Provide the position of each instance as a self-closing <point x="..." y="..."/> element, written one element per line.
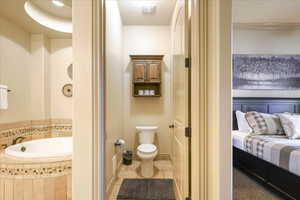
<point x="58" y="3"/>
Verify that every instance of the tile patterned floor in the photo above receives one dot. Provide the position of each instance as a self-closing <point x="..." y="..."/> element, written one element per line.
<point x="163" y="169"/>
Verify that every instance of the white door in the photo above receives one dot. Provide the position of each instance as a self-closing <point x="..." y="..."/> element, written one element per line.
<point x="180" y="51"/>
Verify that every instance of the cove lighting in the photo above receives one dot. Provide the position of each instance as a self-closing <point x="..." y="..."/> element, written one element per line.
<point x="58" y="3"/>
<point x="45" y="19"/>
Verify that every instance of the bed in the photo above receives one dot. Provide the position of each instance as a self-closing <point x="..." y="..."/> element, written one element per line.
<point x="273" y="160"/>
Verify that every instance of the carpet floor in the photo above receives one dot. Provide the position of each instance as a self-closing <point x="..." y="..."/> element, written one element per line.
<point x="245" y="188"/>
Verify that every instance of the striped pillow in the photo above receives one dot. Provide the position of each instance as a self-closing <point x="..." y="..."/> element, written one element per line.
<point x="291" y="125"/>
<point x="264" y="124"/>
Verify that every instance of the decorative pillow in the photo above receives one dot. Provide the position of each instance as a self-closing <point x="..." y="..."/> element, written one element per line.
<point x="264" y="124"/>
<point x="291" y="125"/>
<point x="242" y="122"/>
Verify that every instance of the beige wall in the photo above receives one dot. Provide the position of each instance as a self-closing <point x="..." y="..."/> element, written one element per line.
<point x="39" y="67"/>
<point x="84" y="116"/>
<point x="34" y="68"/>
<point x="114" y="89"/>
<point x="147" y="111"/>
<point x="250" y="41"/>
<point x="14" y="65"/>
<point x="60" y="58"/>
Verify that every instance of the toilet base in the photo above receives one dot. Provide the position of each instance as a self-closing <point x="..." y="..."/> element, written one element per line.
<point x="147" y="164"/>
<point x="147" y="168"/>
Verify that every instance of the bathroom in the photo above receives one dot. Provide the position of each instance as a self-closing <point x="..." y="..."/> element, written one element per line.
<point x="36" y="105"/>
<point x="146" y="100"/>
<point x="144" y="40"/>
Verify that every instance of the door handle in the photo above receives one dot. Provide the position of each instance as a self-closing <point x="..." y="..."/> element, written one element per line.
<point x="171" y="126"/>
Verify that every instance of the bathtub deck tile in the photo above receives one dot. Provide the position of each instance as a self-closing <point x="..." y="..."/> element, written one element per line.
<point x="49" y="188"/>
<point x="60" y="188"/>
<point x="69" y="186"/>
<point x="28" y="189"/>
<point x="9" y="189"/>
<point x="2" y="189"/>
<point x="38" y="189"/>
<point x="18" y="189"/>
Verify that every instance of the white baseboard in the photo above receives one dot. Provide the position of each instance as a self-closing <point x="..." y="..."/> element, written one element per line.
<point x="113" y="179"/>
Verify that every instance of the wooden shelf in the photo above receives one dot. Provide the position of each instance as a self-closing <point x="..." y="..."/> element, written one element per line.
<point x="146" y="57"/>
<point x="147" y="95"/>
<point x="149" y="82"/>
<point x="146" y="74"/>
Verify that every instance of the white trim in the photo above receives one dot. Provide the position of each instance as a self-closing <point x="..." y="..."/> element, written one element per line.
<point x="98" y="44"/>
<point x="211" y="97"/>
<point x="88" y="52"/>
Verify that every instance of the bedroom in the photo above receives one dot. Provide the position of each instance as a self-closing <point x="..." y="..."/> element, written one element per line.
<point x="266" y="96"/>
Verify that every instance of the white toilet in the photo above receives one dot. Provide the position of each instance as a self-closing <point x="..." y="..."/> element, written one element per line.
<point x="147" y="151"/>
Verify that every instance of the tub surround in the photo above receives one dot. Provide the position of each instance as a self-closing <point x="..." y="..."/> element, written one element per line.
<point x="34" y="129"/>
<point x="29" y="179"/>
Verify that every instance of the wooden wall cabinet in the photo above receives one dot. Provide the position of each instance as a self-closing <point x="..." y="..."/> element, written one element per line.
<point x="147" y="75"/>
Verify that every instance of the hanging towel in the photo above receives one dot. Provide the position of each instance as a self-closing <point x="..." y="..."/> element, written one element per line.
<point x="3" y="97"/>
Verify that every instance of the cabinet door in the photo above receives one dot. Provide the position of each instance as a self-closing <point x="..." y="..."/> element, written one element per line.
<point x="154" y="72"/>
<point x="139" y="71"/>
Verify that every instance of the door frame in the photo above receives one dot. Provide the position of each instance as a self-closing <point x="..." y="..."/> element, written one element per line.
<point x="211" y="96"/>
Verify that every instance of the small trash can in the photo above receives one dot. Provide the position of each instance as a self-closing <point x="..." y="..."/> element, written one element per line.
<point x="127" y="157"/>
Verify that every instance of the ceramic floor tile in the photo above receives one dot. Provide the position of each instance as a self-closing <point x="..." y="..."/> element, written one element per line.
<point x="168" y="174"/>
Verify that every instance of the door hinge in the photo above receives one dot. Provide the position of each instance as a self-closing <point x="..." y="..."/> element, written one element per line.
<point x="188" y="132"/>
<point x="188" y="63"/>
<point x="188" y="198"/>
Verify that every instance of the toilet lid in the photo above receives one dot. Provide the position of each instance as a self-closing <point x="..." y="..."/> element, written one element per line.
<point x="147" y="148"/>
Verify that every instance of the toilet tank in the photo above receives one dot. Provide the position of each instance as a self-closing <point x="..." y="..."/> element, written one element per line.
<point x="146" y="134"/>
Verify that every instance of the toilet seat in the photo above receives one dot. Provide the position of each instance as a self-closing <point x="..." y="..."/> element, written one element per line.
<point x="147" y="148"/>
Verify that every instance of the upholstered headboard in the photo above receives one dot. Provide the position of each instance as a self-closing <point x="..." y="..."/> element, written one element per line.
<point x="264" y="105"/>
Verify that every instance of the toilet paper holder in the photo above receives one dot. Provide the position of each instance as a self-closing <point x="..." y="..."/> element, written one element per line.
<point x="119" y="142"/>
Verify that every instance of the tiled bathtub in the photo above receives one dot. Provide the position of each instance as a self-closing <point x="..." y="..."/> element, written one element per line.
<point x="36" y="177"/>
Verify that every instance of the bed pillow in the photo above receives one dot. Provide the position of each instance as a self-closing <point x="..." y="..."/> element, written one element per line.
<point x="264" y="124"/>
<point x="291" y="125"/>
<point x="242" y="122"/>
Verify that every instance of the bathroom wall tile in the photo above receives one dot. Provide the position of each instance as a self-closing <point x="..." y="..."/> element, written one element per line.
<point x="61" y="127"/>
<point x="4" y="143"/>
<point x="28" y="189"/>
<point x="46" y="122"/>
<point x="12" y="125"/>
